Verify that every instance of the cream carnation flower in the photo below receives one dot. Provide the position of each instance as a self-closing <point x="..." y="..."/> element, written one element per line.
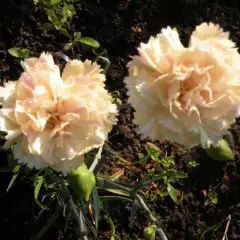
<point x="53" y="119"/>
<point x="188" y="95"/>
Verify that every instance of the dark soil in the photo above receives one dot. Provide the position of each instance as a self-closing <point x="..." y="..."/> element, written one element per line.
<point x="120" y="25"/>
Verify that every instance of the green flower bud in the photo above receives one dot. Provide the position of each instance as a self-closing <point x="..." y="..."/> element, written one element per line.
<point x="81" y="181"/>
<point x="149" y="233"/>
<point x="220" y="152"/>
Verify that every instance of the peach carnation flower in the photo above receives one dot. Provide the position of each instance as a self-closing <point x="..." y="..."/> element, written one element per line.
<point x="53" y="119"/>
<point x="188" y="95"/>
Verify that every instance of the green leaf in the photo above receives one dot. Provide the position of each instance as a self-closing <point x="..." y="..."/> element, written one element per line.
<point x="212" y="198"/>
<point x="68" y="11"/>
<point x="52" y="17"/>
<point x="65" y="32"/>
<point x="151" y="171"/>
<point x="167" y="161"/>
<point x="220" y="152"/>
<point x="153" y="151"/>
<point x="35" y="2"/>
<point x="25" y="53"/>
<point x="172" y="193"/>
<point x="67" y="46"/>
<point x="192" y="164"/>
<point x="89" y="41"/>
<point x="162" y="193"/>
<point x="176" y="174"/>
<point x="55" y="2"/>
<point x="142" y="159"/>
<point x="47" y="27"/>
<point x="19" y="52"/>
<point x="38" y="181"/>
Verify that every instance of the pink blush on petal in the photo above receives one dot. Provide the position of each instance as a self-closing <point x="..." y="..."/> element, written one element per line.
<point x="169" y="59"/>
<point x="237" y="114"/>
<point x="95" y="122"/>
<point x="29" y="133"/>
<point x="26" y="80"/>
<point x="78" y="110"/>
<point x="6" y="111"/>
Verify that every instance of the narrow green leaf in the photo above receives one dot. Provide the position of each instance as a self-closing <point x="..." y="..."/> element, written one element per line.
<point x="48" y="224"/>
<point x="107" y="62"/>
<point x="96" y="205"/>
<point x="172" y="193"/>
<point x="114" y="198"/>
<point x="114" y="153"/>
<point x="82" y="225"/>
<point x="14" y="177"/>
<point x="111" y="225"/>
<point x="38" y="183"/>
<point x="89" y="41"/>
<point x="49" y="202"/>
<point x="134" y="209"/>
<point x="117" y="175"/>
<point x="116" y="191"/>
<point x="109" y="185"/>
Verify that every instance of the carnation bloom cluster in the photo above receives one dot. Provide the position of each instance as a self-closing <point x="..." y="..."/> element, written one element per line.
<point x="191" y="94"/>
<point x="52" y="119"/>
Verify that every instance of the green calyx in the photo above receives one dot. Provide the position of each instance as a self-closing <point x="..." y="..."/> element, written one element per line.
<point x="220" y="152"/>
<point x="82" y="182"/>
<point x="149" y="233"/>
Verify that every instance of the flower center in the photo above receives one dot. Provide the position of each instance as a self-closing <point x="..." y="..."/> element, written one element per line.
<point x="52" y="121"/>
